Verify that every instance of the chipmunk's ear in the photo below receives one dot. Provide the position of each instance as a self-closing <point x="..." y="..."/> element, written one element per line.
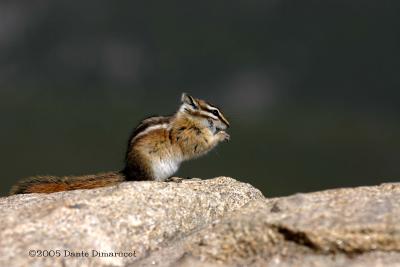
<point x="187" y="99"/>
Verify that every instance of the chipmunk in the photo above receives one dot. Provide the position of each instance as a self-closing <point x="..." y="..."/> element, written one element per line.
<point x="156" y="148"/>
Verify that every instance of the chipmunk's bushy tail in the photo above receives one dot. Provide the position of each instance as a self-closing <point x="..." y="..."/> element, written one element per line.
<point x="50" y="184"/>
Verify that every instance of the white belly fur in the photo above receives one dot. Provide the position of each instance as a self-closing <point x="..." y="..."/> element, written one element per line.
<point x="165" y="168"/>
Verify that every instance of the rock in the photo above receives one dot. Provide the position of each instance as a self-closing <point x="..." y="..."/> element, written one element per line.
<point x="217" y="222"/>
<point x="135" y="217"/>
<point x="341" y="227"/>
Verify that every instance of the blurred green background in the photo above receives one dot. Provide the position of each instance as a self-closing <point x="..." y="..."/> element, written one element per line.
<point x="311" y="87"/>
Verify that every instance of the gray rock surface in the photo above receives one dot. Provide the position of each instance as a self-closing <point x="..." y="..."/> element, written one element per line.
<point x="342" y="227"/>
<point x="132" y="216"/>
<point x="217" y="222"/>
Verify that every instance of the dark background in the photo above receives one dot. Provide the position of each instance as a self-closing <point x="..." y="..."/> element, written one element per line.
<point x="311" y="87"/>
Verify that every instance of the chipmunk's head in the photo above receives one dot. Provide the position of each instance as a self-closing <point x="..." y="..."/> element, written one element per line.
<point x="203" y="111"/>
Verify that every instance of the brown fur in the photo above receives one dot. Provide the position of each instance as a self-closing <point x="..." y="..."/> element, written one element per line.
<point x="193" y="140"/>
<point x="50" y="184"/>
<point x="46" y="188"/>
<point x="186" y="138"/>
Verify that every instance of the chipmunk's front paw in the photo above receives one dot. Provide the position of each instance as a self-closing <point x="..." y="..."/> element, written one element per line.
<point x="223" y="136"/>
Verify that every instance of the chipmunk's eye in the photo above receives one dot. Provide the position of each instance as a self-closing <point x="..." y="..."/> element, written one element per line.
<point x="214" y="112"/>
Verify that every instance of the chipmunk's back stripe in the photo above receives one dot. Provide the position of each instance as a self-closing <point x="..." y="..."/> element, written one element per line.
<point x="146" y="124"/>
<point x="151" y="128"/>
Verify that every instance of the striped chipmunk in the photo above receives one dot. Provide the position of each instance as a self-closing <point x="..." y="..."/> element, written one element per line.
<point x="156" y="148"/>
